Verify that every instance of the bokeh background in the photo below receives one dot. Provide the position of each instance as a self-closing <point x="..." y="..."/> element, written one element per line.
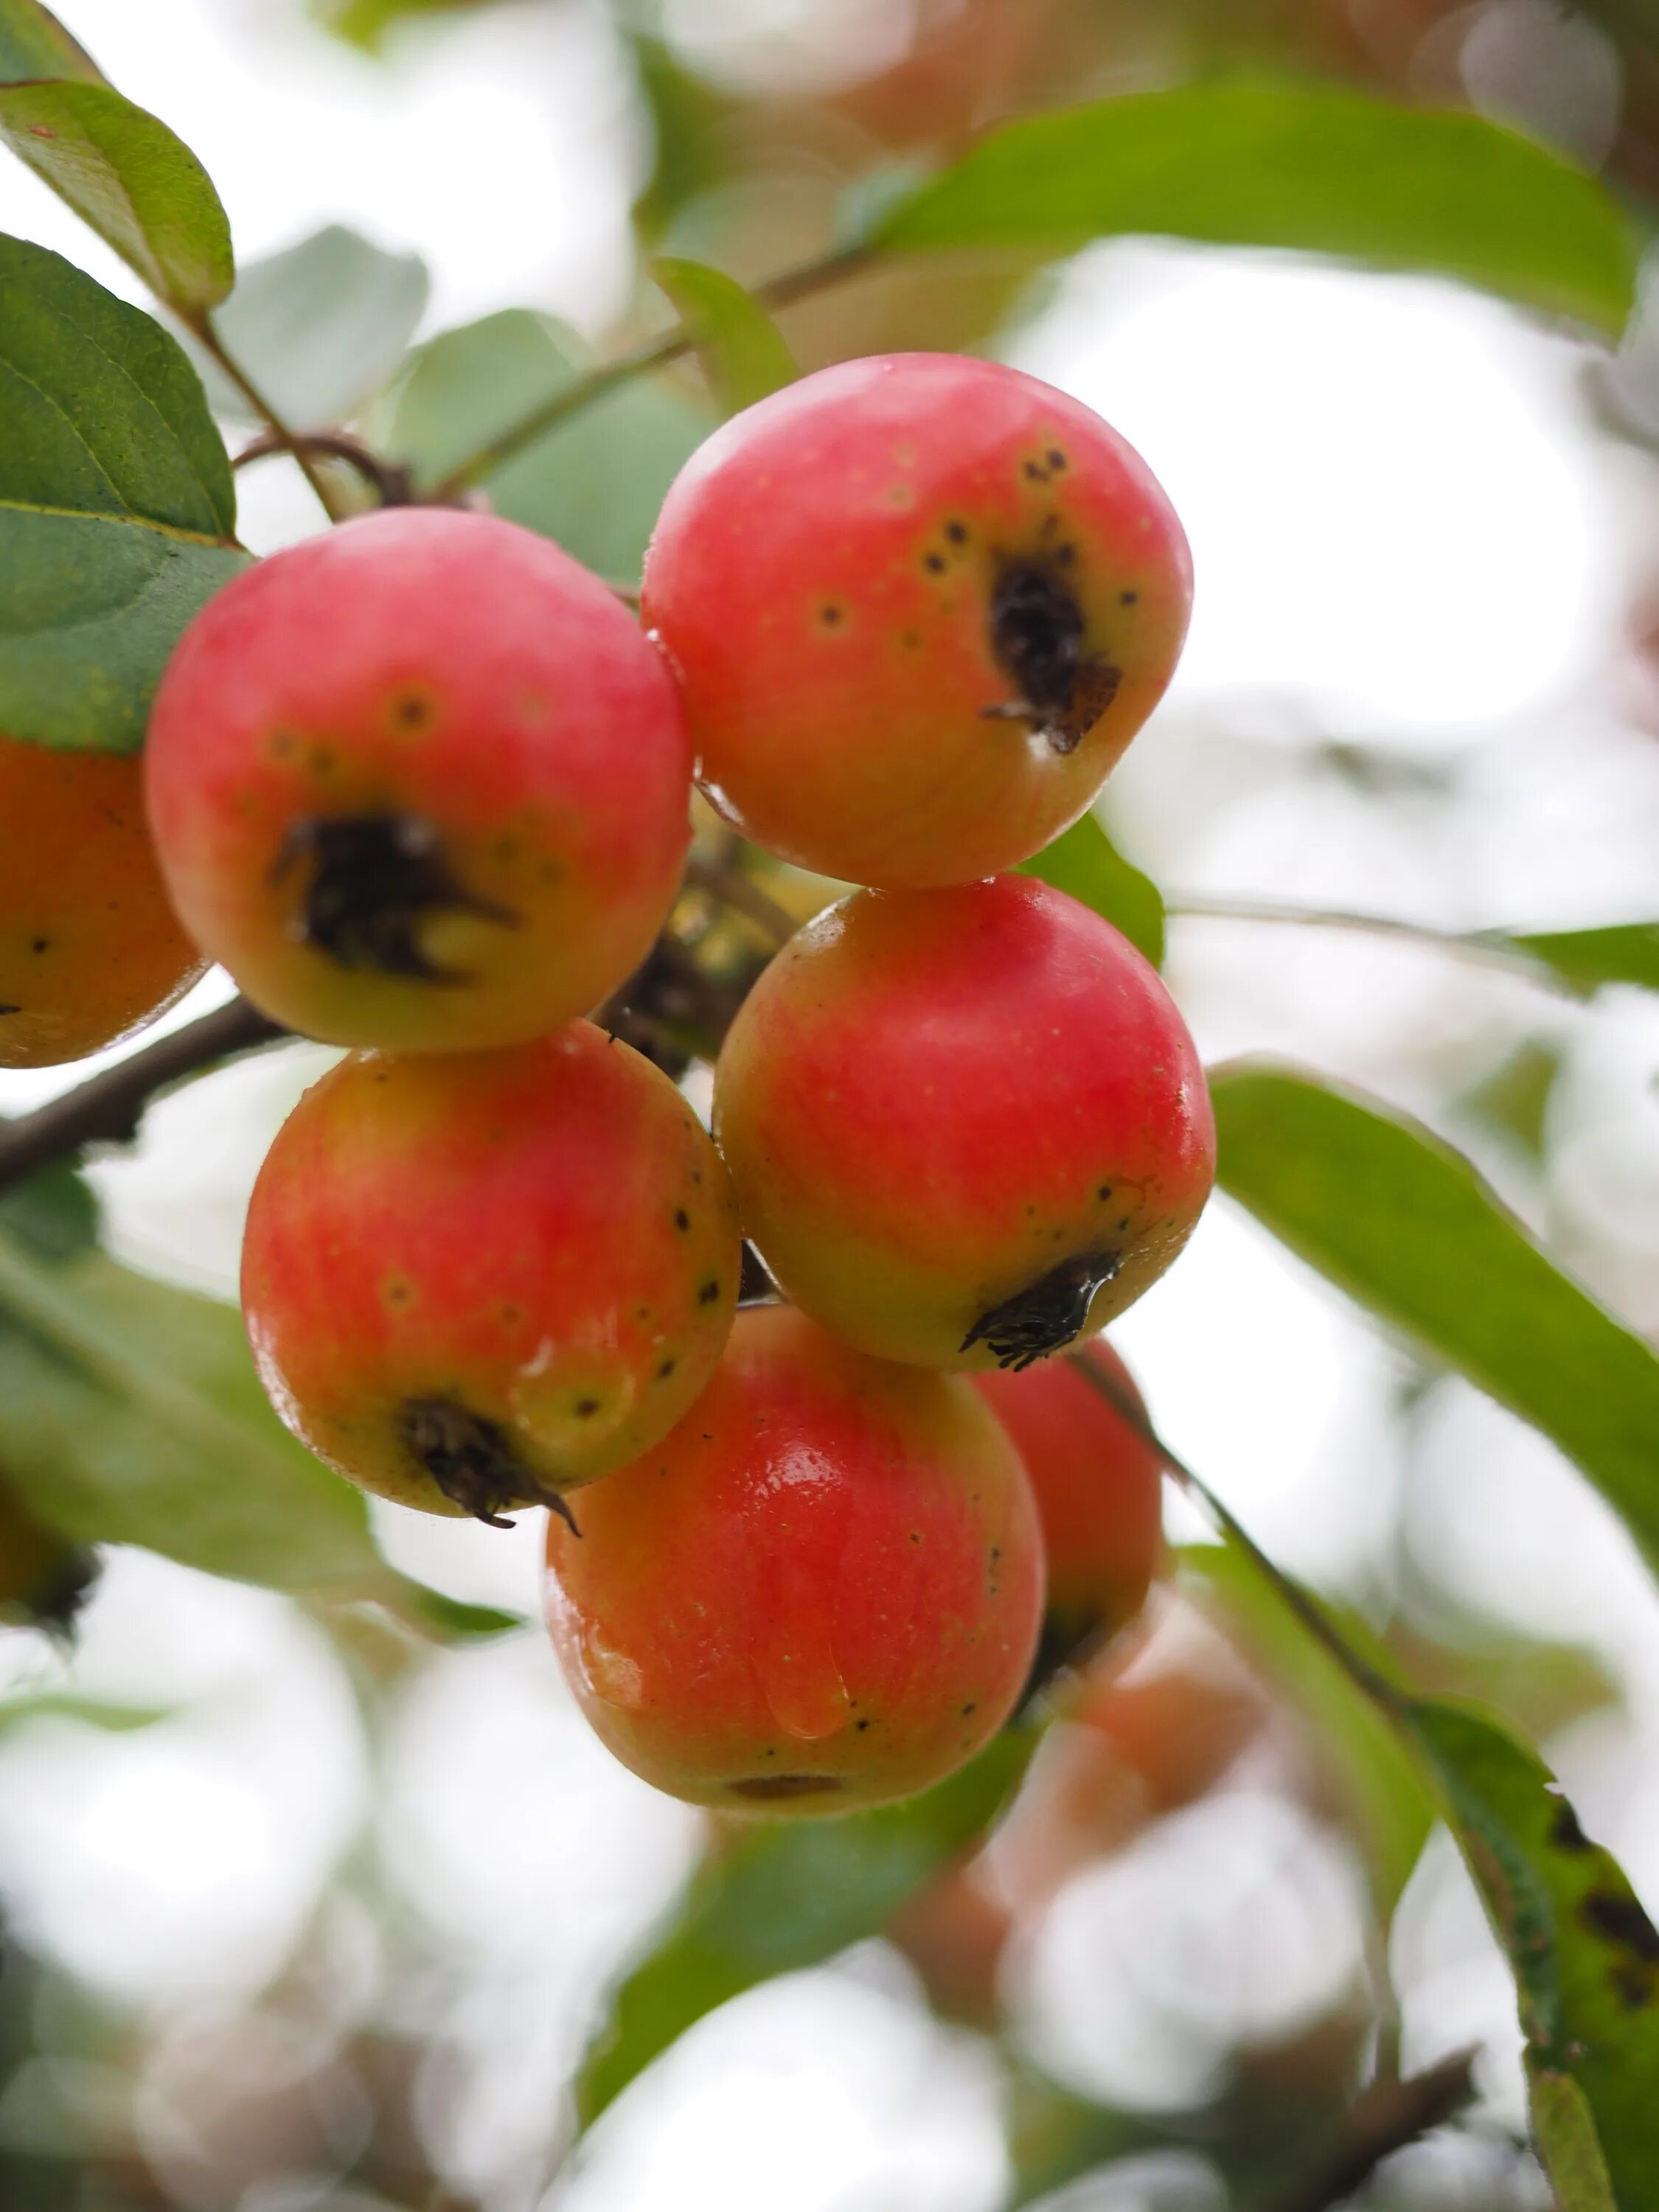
<point x="326" y="1926"/>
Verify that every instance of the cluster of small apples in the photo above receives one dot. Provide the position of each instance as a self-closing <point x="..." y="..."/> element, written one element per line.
<point x="423" y="787"/>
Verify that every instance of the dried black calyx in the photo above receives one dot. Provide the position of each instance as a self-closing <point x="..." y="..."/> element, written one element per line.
<point x="1036" y="637"/>
<point x="1047" y="1316"/>
<point x="375" y="880"/>
<point x="472" y="1462"/>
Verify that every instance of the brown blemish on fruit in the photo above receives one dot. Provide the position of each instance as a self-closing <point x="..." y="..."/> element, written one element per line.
<point x="706" y="1293"/>
<point x="510" y="1312"/>
<point x="765" y="1786"/>
<point x="397" y="1290"/>
<point x="1035" y="633"/>
<point x="412" y="710"/>
<point x="1055" y="459"/>
<point x="682" y="1219"/>
<point x="39" y="944"/>
<point x="664" y="1370"/>
<point x="472" y="1462"/>
<point x="280" y="744"/>
<point x="1047" y="1316"/>
<point x="829" y="616"/>
<point x="374" y="878"/>
<point x="956" y="532"/>
<point x="933" y="562"/>
<point x="1127" y="599"/>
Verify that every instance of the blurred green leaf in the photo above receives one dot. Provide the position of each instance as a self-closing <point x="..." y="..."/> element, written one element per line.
<point x="451" y="1619"/>
<point x="89" y="1712"/>
<point x="130" y="1412"/>
<point x="117" y="511"/>
<point x="1626" y="952"/>
<point x="131" y="180"/>
<point x="687" y="117"/>
<point x="784" y="1895"/>
<point x="365" y="22"/>
<point x="1407" y="1227"/>
<point x="34" y="44"/>
<point x="55" y="1214"/>
<point x="320" y="327"/>
<point x="1392" y="1810"/>
<point x="1584" y="1954"/>
<point x="594" y="484"/>
<point x="1260" y="162"/>
<point x="741" y="348"/>
<point x="1084" y="861"/>
<point x="1515" y="1097"/>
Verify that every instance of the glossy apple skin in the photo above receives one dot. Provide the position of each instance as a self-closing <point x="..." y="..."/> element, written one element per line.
<point x="542" y="1238"/>
<point x="421" y="783"/>
<point x="933" y="1101"/>
<point x="1098" y="1484"/>
<point x="821" y="1590"/>
<point x="90" y="950"/>
<point x="841" y="576"/>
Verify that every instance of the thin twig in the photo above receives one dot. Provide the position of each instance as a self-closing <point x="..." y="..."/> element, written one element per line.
<point x="108" y="1108"/>
<point x="388" y="478"/>
<point x="1488" y="948"/>
<point x="1305" y="1608"/>
<point x="655" y="353"/>
<point x="1385" y="2118"/>
<point x="743" y="895"/>
<point x="201" y="329"/>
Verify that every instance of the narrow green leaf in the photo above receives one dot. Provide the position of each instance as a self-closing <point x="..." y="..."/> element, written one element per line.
<point x="1260" y="162"/>
<point x="1084" y="861"/>
<point x="742" y="349"/>
<point x="130" y="1412"/>
<point x="1625" y="952"/>
<point x="1407" y="1227"/>
<point x="1391" y="1809"/>
<point x="451" y="1619"/>
<point x="594" y="484"/>
<point x="790" y="1894"/>
<point x="126" y="175"/>
<point x="320" y="327"/>
<point x="1584" y="1954"/>
<point x="88" y="1712"/>
<point x="33" y="43"/>
<point x="117" y="509"/>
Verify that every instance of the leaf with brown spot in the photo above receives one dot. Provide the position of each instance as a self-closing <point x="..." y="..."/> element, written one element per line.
<point x="1584" y="1954"/>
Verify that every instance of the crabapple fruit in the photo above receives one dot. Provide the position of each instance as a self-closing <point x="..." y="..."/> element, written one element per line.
<point x="1097" y="1479"/>
<point x="820" y="1590"/>
<point x="966" y="1127"/>
<point x="420" y="783"/>
<point x="472" y="1281"/>
<point x="89" y="948"/>
<point x="918" y="606"/>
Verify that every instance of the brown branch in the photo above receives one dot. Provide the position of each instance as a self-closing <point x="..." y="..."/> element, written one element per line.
<point x="726" y="882"/>
<point x="1385" y="2118"/>
<point x="389" y="479"/>
<point x="656" y="353"/>
<point x="108" y="1108"/>
<point x="201" y="329"/>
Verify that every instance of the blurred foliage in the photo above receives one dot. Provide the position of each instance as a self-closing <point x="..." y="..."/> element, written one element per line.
<point x="742" y="350"/>
<point x="594" y="484"/>
<point x="1409" y="1228"/>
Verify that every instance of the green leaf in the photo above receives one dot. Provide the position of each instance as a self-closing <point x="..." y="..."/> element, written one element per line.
<point x="88" y="1712"/>
<point x="689" y="124"/>
<point x="320" y="327"/>
<point x="1084" y="861"/>
<point x="1584" y="1954"/>
<point x="33" y="43"/>
<point x="365" y="22"/>
<point x="1260" y="162"/>
<point x="1392" y="1811"/>
<point x="594" y="484"/>
<point x="130" y="1412"/>
<point x="742" y="349"/>
<point x="451" y="1619"/>
<point x="126" y="175"/>
<point x="54" y="1215"/>
<point x="790" y="1894"/>
<point x="1407" y="1227"/>
<point x="1626" y="952"/>
<point x="117" y="510"/>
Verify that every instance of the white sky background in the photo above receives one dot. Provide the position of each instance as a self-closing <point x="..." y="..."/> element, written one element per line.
<point x="1407" y="538"/>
